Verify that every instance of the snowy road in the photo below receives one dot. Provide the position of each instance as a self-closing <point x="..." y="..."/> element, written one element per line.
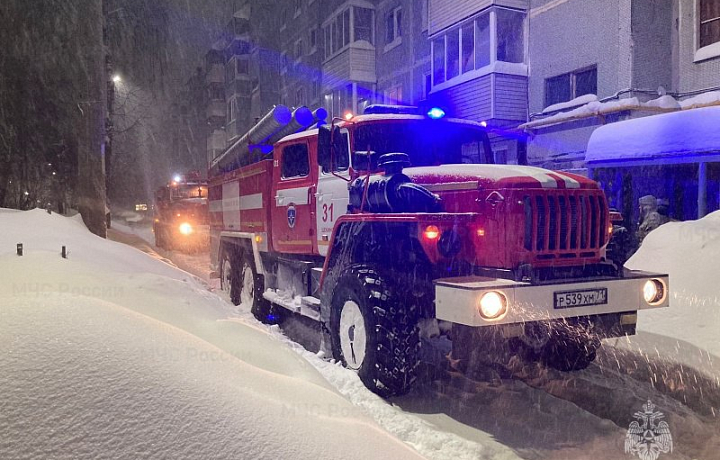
<point x="541" y="413"/>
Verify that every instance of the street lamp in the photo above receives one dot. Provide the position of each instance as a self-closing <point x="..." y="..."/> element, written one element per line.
<point x="116" y="78"/>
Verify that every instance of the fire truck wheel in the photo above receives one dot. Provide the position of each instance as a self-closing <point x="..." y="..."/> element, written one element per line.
<point x="374" y="331"/>
<point x="228" y="278"/>
<point x="251" y="287"/>
<point x="570" y="353"/>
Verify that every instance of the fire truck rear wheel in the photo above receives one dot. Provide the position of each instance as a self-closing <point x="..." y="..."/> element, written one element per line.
<point x="251" y="288"/>
<point x="228" y="279"/>
<point x="567" y="352"/>
<point x="374" y="331"/>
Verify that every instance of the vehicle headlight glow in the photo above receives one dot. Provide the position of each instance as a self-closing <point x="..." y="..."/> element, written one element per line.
<point x="654" y="291"/>
<point x="185" y="228"/>
<point x="492" y="305"/>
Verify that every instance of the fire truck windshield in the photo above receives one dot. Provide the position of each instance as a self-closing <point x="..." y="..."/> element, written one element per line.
<point x="427" y="143"/>
<point x="185" y="191"/>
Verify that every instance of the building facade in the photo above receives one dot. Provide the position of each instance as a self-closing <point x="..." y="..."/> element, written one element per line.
<point x="543" y="75"/>
<point x="626" y="59"/>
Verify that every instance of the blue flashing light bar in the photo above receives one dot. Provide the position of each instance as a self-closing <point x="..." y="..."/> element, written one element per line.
<point x="436" y="113"/>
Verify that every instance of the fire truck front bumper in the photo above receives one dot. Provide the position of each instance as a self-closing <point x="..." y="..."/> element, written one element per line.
<point x="481" y="301"/>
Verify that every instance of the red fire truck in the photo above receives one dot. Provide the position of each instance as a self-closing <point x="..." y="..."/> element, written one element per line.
<point x="181" y="214"/>
<point x="390" y="227"/>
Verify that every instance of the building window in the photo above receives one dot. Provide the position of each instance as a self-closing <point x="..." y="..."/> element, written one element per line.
<point x="298" y="49"/>
<point x="232" y="109"/>
<point x="313" y="40"/>
<point x="284" y="63"/>
<point x="215" y="93"/>
<point x="452" y="44"/>
<point x="338" y="34"/>
<point x="510" y="33"/>
<point x="300" y="97"/>
<point x="482" y="41"/>
<point x="438" y="52"/>
<point x="316" y="88"/>
<point x="566" y="87"/>
<point x="394" y="95"/>
<point x="295" y="162"/>
<point x="363" y="24"/>
<point x="393" y="25"/>
<point x="468" y="47"/>
<point x="242" y="67"/>
<point x="709" y="22"/>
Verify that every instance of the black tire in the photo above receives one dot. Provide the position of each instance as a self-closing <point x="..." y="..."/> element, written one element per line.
<point x="567" y="352"/>
<point x="392" y="344"/>
<point x="228" y="276"/>
<point x="260" y="308"/>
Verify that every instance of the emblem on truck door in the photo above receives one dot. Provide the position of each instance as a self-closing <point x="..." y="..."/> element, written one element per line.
<point x="291" y="213"/>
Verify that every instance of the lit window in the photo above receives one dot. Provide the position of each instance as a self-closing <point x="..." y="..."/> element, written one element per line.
<point x="709" y="22"/>
<point x="394" y="95"/>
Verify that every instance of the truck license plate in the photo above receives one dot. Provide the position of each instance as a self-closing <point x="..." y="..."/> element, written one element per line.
<point x="581" y="298"/>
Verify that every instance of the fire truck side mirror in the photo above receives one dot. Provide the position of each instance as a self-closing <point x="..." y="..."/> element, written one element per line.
<point x="326" y="153"/>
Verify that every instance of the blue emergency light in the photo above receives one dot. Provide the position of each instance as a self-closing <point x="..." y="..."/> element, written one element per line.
<point x="436" y="113"/>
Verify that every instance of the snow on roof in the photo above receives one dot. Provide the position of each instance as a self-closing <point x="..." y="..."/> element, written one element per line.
<point x="675" y="134"/>
<point x="590" y="109"/>
<point x="580" y="100"/>
<point x="701" y="100"/>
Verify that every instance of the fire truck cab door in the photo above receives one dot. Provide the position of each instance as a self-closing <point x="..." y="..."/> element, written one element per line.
<point x="332" y="197"/>
<point x="293" y="203"/>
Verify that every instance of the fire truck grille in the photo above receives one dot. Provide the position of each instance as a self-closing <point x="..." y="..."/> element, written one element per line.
<point x="565" y="223"/>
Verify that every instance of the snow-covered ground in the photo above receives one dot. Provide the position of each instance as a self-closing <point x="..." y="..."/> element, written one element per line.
<point x="115" y="353"/>
<point x="112" y="353"/>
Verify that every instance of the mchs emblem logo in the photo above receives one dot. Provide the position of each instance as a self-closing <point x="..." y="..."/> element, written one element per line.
<point x="291" y="213"/>
<point x="648" y="436"/>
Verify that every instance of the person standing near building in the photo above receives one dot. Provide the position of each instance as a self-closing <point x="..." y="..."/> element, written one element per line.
<point x="650" y="218"/>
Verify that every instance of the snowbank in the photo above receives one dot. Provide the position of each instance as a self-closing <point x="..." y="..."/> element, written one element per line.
<point x="113" y="353"/>
<point x="690" y="253"/>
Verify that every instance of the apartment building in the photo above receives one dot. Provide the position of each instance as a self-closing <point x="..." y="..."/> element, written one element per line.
<point x="479" y="66"/>
<point x="596" y="72"/>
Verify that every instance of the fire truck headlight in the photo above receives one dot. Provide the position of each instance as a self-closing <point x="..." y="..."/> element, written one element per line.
<point x="185" y="228"/>
<point x="654" y="291"/>
<point x="492" y="305"/>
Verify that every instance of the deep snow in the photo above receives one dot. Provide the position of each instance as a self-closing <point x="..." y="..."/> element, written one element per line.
<point x="690" y="253"/>
<point x="113" y="353"/>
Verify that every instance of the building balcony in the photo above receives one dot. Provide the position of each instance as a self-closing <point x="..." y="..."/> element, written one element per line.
<point x="216" y="108"/>
<point x="215" y="74"/>
<point x="355" y="63"/>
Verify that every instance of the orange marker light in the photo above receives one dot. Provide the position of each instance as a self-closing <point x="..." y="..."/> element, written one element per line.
<point x="348" y="116"/>
<point x="431" y="232"/>
<point x="480" y="232"/>
<point x="258" y="239"/>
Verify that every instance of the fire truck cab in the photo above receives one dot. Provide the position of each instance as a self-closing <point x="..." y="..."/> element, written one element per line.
<point x="181" y="214"/>
<point x="393" y="226"/>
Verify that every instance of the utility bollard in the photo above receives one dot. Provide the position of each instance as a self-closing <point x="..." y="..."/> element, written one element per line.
<point x="19" y="249"/>
<point x="64" y="253"/>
